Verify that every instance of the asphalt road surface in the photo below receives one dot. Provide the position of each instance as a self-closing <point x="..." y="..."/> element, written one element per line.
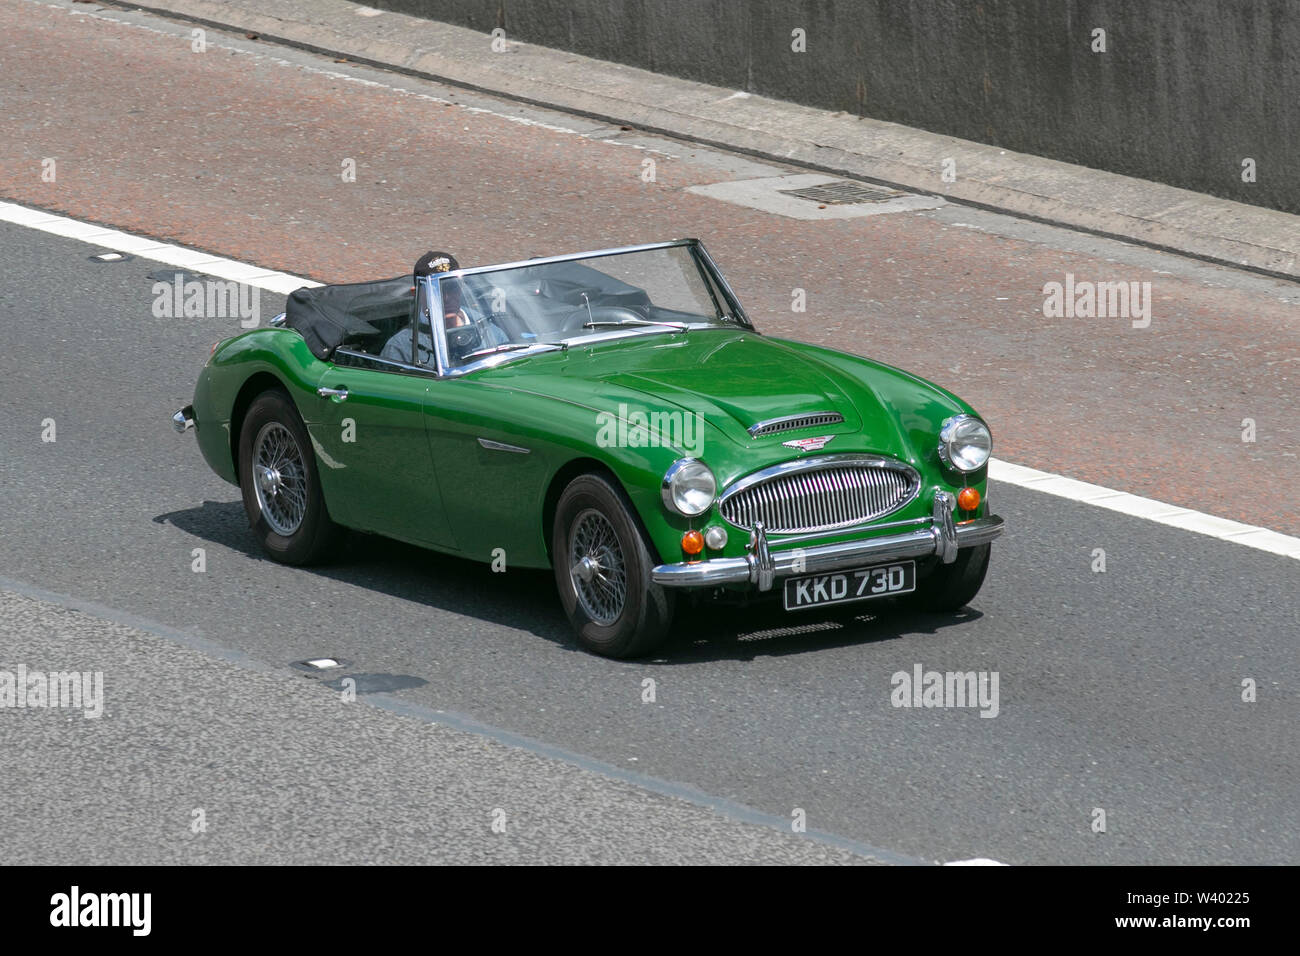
<point x="1119" y="691"/>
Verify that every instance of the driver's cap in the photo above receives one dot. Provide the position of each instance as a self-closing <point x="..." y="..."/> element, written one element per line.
<point x="434" y="262"/>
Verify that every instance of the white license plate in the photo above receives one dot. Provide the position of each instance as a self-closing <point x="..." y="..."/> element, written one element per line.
<point x="840" y="587"/>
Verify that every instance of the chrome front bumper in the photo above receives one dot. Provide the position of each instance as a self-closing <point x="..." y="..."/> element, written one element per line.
<point x="762" y="566"/>
<point x="183" y="420"/>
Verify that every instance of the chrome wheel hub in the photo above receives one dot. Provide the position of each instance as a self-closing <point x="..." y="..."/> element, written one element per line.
<point x="280" y="478"/>
<point x="597" y="570"/>
<point x="586" y="569"/>
<point x="269" y="479"/>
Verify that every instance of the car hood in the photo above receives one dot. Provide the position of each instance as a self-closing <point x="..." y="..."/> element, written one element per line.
<point x="733" y="379"/>
<point x="738" y="381"/>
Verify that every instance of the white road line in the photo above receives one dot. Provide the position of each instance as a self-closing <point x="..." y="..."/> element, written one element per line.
<point x="1099" y="496"/>
<point x="164" y="252"/>
<point x="977" y="861"/>
<point x="1250" y="536"/>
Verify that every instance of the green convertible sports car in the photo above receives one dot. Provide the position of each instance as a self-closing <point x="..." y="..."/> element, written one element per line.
<point x="612" y="415"/>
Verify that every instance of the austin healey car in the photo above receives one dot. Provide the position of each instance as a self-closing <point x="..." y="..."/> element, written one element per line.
<point x="612" y="415"/>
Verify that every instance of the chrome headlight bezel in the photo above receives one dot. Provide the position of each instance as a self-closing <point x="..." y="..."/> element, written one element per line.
<point x="956" y="431"/>
<point x="675" y="486"/>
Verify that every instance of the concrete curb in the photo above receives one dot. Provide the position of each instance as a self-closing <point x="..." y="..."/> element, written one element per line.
<point x="1154" y="215"/>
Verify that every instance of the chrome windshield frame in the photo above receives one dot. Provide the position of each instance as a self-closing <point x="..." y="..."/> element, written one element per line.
<point x="431" y="303"/>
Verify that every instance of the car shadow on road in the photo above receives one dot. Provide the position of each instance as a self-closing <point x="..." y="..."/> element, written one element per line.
<point x="520" y="598"/>
<point x="717" y="632"/>
<point x="525" y="599"/>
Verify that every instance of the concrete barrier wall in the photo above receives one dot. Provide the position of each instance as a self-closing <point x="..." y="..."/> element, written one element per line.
<point x="1184" y="92"/>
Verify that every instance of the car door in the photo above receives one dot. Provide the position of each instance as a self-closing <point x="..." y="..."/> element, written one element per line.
<point x="372" y="437"/>
<point x="492" y="477"/>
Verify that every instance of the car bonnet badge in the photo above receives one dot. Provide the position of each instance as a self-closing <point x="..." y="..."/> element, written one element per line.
<point x="808" y="444"/>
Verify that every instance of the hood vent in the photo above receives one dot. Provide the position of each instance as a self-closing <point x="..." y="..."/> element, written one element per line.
<point x="791" y="423"/>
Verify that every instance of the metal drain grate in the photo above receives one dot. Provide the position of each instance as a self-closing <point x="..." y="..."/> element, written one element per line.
<point x="842" y="192"/>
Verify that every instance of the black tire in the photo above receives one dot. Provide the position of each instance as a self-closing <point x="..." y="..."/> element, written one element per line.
<point x="307" y="540"/>
<point x="646" y="611"/>
<point x="950" y="587"/>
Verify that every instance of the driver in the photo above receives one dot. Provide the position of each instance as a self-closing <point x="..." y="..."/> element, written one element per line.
<point x="481" y="334"/>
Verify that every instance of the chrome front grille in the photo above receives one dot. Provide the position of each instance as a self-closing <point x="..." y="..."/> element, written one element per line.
<point x="792" y="422"/>
<point x="820" y="494"/>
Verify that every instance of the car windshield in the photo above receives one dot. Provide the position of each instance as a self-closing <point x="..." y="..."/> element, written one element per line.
<point x="647" y="292"/>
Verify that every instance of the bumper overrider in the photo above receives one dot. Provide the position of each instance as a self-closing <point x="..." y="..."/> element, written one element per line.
<point x="183" y="420"/>
<point x="762" y="566"/>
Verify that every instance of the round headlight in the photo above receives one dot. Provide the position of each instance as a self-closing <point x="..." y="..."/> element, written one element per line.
<point x="689" y="487"/>
<point x="965" y="443"/>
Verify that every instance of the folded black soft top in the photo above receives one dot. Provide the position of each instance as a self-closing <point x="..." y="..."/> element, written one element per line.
<point x="328" y="315"/>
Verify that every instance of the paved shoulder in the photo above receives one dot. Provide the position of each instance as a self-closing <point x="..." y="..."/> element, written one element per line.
<point x="134" y="749"/>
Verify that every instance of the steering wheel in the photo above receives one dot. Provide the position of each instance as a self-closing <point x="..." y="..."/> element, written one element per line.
<point x="575" y="320"/>
<point x="463" y="339"/>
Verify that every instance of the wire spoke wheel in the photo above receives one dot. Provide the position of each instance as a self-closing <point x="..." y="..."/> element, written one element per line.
<point x="603" y="570"/>
<point x="598" y="569"/>
<point x="280" y="478"/>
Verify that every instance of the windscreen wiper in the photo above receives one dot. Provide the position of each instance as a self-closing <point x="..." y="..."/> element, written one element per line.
<point x="606" y="323"/>
<point x="514" y="346"/>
